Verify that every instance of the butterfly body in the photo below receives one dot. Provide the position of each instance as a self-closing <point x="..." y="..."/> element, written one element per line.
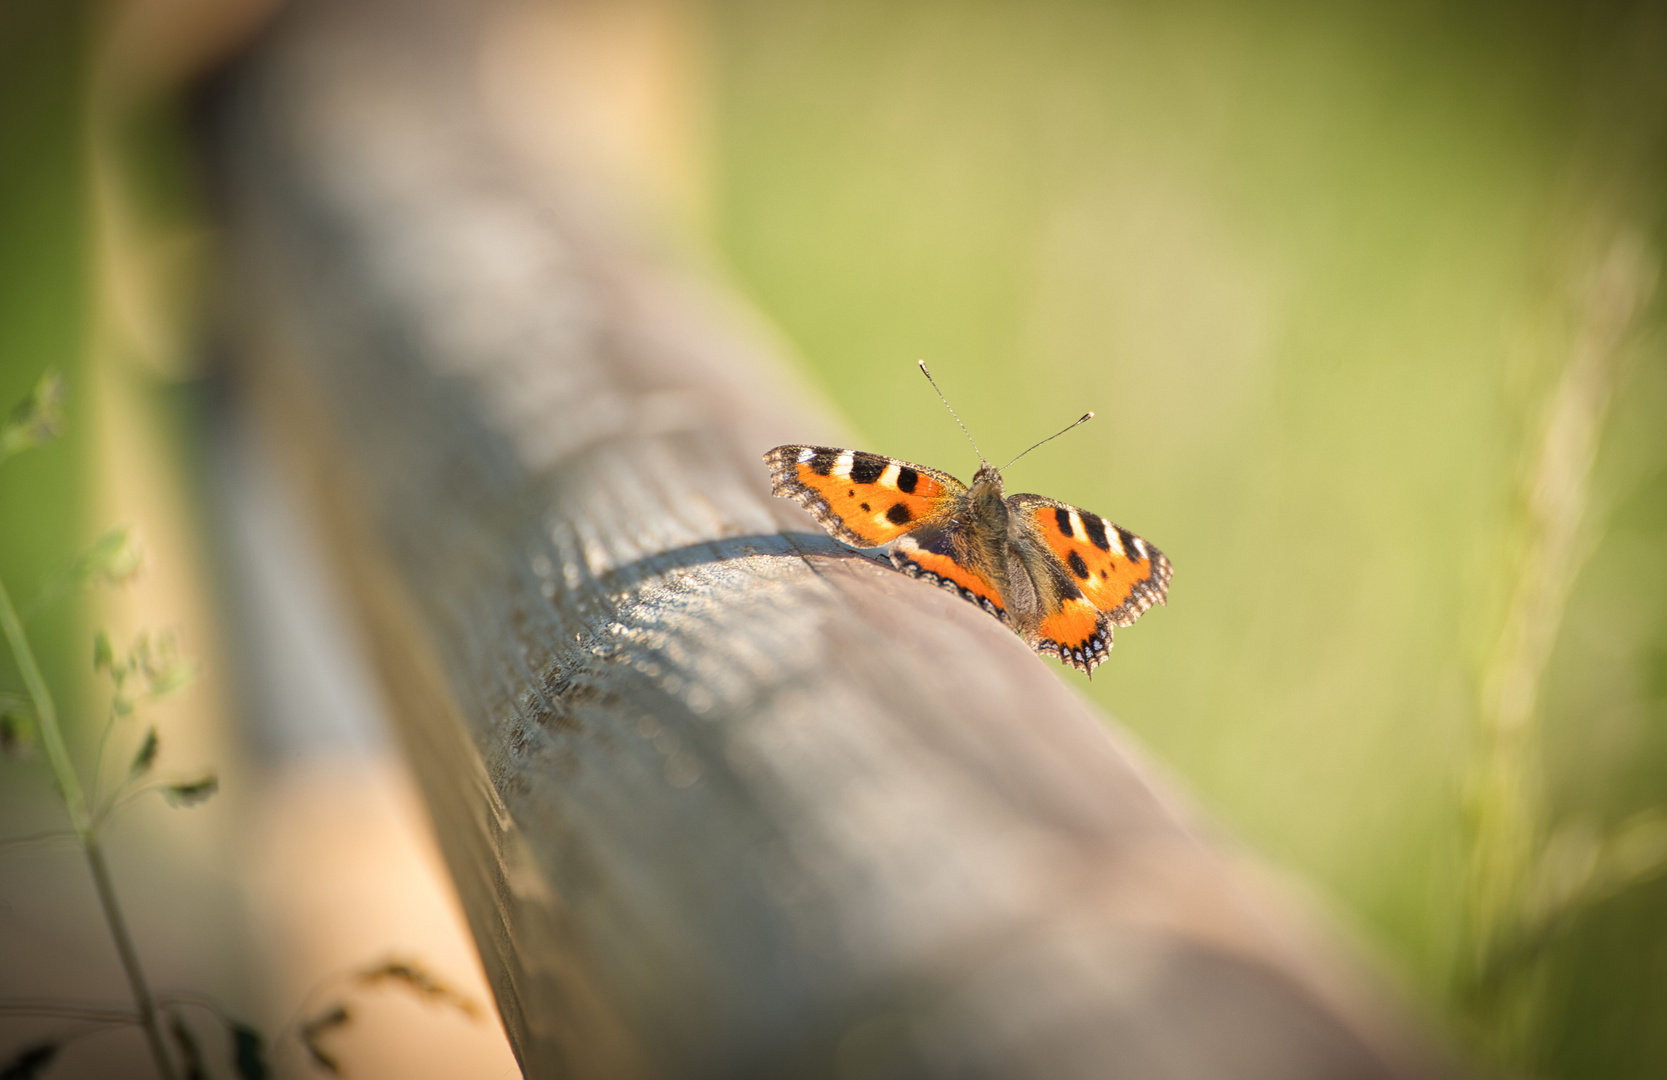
<point x="1058" y="576"/>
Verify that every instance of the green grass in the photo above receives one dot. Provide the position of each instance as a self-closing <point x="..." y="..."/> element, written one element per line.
<point x="1312" y="266"/>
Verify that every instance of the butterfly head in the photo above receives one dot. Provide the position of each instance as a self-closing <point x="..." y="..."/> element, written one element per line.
<point x="987" y="478"/>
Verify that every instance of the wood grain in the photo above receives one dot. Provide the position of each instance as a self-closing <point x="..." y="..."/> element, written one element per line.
<point x="722" y="798"/>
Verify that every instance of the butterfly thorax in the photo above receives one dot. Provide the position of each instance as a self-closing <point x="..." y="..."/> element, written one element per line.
<point x="1010" y="556"/>
<point x="985" y="531"/>
<point x="989" y="509"/>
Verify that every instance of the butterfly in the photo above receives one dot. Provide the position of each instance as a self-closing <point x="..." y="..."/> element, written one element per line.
<point x="1058" y="576"/>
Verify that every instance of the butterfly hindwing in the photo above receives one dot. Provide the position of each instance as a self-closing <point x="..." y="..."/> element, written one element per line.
<point x="1078" y="633"/>
<point x="866" y="500"/>
<point x="933" y="556"/>
<point x="1115" y="570"/>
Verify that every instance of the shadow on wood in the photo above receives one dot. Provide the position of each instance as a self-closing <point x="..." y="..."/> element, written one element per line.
<point x="721" y="797"/>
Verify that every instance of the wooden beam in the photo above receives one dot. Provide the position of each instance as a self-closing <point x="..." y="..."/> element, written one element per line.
<point x="721" y="797"/>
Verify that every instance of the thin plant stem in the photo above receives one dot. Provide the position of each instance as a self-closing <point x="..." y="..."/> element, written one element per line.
<point x="46" y="715"/>
<point x="121" y="797"/>
<point x="130" y="957"/>
<point x="19" y="843"/>
<point x="98" y="759"/>
<point x="69" y="786"/>
<point x="1506" y="785"/>
<point x="66" y="1010"/>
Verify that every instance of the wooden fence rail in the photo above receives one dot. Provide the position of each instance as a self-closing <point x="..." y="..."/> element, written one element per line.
<point x="721" y="798"/>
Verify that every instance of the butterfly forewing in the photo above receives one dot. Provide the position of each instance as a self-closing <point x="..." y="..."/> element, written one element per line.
<point x="863" y="499"/>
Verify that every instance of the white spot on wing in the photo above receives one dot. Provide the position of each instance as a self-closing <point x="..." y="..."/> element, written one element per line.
<point x="842" y="464"/>
<point x="1076" y="525"/>
<point x="805" y="454"/>
<point x="889" y="477"/>
<point x="1140" y="546"/>
<point x="1116" y="541"/>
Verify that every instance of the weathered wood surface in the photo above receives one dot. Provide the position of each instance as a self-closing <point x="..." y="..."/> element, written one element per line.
<point x="722" y="799"/>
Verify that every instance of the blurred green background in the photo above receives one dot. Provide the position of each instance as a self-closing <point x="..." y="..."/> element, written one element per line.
<point x="44" y="300"/>
<point x="1322" y="270"/>
<point x="1364" y="297"/>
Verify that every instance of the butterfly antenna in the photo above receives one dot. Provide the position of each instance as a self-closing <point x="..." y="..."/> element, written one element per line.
<point x="1086" y="417"/>
<point x="952" y="412"/>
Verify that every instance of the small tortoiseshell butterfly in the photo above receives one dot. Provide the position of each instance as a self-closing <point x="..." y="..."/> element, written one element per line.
<point x="1059" y="577"/>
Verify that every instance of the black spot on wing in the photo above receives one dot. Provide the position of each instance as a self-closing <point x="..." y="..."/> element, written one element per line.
<point x="1095" y="526"/>
<point x="866" y="508"/>
<point x="823" y="462"/>
<point x="866" y="468"/>
<point x="898" y="514"/>
<point x="1129" y="550"/>
<point x="1078" y="567"/>
<point x="1063" y="516"/>
<point x="906" y="480"/>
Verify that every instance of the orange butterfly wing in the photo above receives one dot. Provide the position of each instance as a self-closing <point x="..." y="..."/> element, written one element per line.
<point x="1079" y="634"/>
<point x="863" y="499"/>
<point x="1118" y="575"/>
<point x="935" y="561"/>
<point x="868" y="500"/>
